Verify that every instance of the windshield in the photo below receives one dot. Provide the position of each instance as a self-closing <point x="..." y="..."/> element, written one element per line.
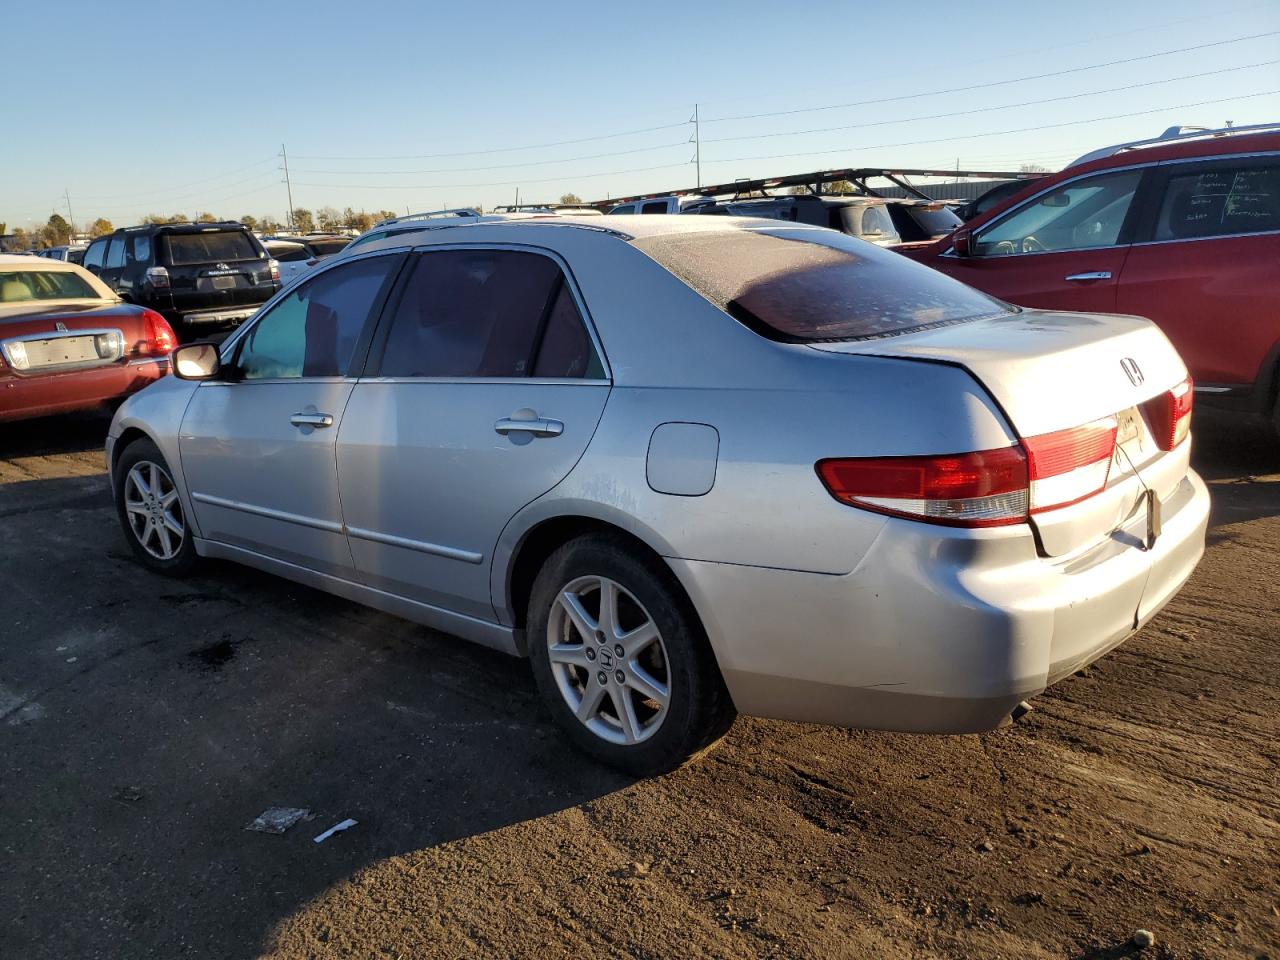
<point x="800" y="285"/>
<point x="211" y="247"/>
<point x="19" y="285"/>
<point x="936" y="222"/>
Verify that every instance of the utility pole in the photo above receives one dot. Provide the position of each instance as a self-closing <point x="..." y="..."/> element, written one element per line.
<point x="517" y="198"/>
<point x="66" y="195"/>
<point x="288" y="185"/>
<point x="697" y="146"/>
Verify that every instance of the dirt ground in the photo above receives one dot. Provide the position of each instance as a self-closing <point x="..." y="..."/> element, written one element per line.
<point x="144" y="722"/>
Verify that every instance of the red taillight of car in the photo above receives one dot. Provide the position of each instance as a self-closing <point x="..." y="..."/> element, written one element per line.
<point x="275" y="270"/>
<point x="158" y="277"/>
<point x="158" y="339"/>
<point x="1068" y="466"/>
<point x="983" y="489"/>
<point x="988" y="488"/>
<point x="1169" y="415"/>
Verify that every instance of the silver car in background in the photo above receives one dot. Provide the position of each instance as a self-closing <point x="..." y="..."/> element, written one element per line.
<point x="687" y="466"/>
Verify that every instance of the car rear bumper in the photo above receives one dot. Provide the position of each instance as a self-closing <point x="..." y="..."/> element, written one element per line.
<point x="233" y="315"/>
<point x="937" y="630"/>
<point x="39" y="396"/>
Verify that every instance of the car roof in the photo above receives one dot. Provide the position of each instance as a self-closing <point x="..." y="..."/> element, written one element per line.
<point x="1154" y="152"/>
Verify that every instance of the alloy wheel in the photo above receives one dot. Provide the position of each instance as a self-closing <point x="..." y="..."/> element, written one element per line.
<point x="609" y="660"/>
<point x="154" y="510"/>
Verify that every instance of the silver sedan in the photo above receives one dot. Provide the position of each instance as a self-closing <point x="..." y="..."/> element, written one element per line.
<point x="687" y="466"/>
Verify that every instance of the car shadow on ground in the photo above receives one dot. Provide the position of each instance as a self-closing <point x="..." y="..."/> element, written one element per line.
<point x="1230" y="450"/>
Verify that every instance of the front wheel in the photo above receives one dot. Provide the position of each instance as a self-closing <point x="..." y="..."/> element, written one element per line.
<point x="150" y="511"/>
<point x="621" y="659"/>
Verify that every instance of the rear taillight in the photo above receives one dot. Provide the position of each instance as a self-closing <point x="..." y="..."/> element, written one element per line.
<point x="158" y="339"/>
<point x="1169" y="415"/>
<point x="158" y="277"/>
<point x="988" y="488"/>
<point x="275" y="270"/>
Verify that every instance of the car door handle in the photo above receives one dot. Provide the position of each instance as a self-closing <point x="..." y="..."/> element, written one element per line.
<point x="1091" y="275"/>
<point x="542" y="427"/>
<point x="311" y="420"/>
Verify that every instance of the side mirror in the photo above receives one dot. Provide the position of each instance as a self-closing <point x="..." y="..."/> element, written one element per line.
<point x="196" y="361"/>
<point x="961" y="243"/>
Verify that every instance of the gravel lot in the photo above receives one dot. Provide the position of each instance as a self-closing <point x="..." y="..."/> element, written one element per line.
<point x="144" y="722"/>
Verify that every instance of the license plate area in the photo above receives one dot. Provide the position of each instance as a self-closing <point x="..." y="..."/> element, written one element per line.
<point x="43" y="354"/>
<point x="223" y="283"/>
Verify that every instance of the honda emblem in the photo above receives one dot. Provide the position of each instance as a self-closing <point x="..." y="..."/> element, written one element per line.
<point x="1133" y="371"/>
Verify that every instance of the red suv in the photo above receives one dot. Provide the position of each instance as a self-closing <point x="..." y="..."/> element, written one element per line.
<point x="1183" y="229"/>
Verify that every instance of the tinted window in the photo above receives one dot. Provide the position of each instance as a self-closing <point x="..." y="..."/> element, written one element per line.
<point x="75" y="256"/>
<point x="369" y="238"/>
<point x="1220" y="202"/>
<point x="115" y="252"/>
<point x="1082" y="214"/>
<point x="140" y="247"/>
<point x="19" y="285"/>
<point x="801" y="284"/>
<point x="566" y="350"/>
<point x="94" y="256"/>
<point x="313" y="331"/>
<point x="624" y="209"/>
<point x="288" y="253"/>
<point x="212" y="246"/>
<point x="478" y="313"/>
<point x="327" y="248"/>
<point x="654" y="206"/>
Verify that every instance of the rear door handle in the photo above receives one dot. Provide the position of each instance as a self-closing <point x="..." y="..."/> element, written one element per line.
<point x="1091" y="275"/>
<point x="542" y="427"/>
<point x="311" y="420"/>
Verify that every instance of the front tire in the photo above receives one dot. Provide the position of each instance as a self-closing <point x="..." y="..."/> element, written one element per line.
<point x="151" y="512"/>
<point x="621" y="659"/>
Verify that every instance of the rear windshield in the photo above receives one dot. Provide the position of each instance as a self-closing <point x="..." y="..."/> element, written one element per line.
<point x="325" y="248"/>
<point x="211" y="247"/>
<point x="20" y="285"/>
<point x="935" y="221"/>
<point x="799" y="285"/>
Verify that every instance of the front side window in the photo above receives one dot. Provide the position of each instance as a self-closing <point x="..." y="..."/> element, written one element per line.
<point x="654" y="206"/>
<point x="1079" y="215"/>
<point x="487" y="313"/>
<point x="1221" y="202"/>
<point x="626" y="208"/>
<point x="313" y="331"/>
<point x="115" y="252"/>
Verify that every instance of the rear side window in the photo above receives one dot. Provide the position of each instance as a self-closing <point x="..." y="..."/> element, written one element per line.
<point x="486" y="313"/>
<point x="1221" y="202"/>
<point x="654" y="206"/>
<point x="313" y="331"/>
<point x="798" y="285"/>
<point x="140" y="247"/>
<point x="211" y="246"/>
<point x="115" y="252"/>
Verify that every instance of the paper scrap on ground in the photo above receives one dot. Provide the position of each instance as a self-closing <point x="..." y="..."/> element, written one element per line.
<point x="277" y="819"/>
<point x="344" y="825"/>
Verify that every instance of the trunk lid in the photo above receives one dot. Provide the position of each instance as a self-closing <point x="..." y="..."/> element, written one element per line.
<point x="46" y="338"/>
<point x="1056" y="371"/>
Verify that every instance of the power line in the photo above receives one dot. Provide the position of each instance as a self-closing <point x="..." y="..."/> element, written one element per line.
<point x="993" y="83"/>
<point x="998" y="133"/>
<point x="1004" y="106"/>
<point x="496" y="183"/>
<point x="149" y="193"/>
<point x="500" y="166"/>
<point x="476" y="153"/>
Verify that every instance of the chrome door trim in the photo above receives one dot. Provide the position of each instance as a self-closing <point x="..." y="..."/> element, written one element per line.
<point x="570" y="281"/>
<point x="421" y="546"/>
<point x="1216" y="236"/>
<point x="1222" y="157"/>
<point x="314" y="522"/>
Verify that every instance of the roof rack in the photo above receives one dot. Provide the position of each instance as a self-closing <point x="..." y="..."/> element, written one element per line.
<point x="432" y="215"/>
<point x="1176" y="134"/>
<point x="858" y="176"/>
<point x="543" y="207"/>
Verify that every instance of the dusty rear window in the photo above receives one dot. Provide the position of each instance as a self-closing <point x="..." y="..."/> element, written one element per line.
<point x="19" y="285"/>
<point x="211" y="247"/>
<point x="804" y="285"/>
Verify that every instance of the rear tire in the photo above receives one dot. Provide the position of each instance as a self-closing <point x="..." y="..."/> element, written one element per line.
<point x="151" y="513"/>
<point x="621" y="659"/>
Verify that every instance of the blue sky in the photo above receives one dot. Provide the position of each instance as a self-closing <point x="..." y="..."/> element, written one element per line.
<point x="181" y="107"/>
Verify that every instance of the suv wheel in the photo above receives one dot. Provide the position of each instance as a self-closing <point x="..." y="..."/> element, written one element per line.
<point x="150" y="511"/>
<point x="621" y="659"/>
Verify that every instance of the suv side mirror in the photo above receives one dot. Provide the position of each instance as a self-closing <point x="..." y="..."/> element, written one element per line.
<point x="962" y="242"/>
<point x="196" y="361"/>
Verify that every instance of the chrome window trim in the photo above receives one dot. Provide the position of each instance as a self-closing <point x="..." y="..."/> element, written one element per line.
<point x="1221" y="157"/>
<point x="545" y="381"/>
<point x="1216" y="236"/>
<point x="572" y="282"/>
<point x="275" y="380"/>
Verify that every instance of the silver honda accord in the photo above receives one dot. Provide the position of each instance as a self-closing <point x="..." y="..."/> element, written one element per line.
<point x="688" y="467"/>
